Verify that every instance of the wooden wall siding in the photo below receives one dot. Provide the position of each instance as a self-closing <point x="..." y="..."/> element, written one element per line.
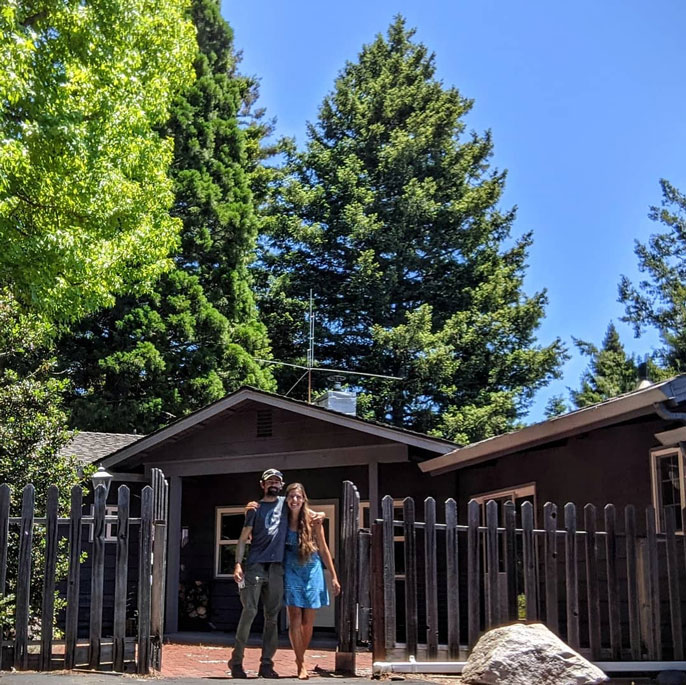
<point x="617" y="596"/>
<point x="235" y="435"/>
<point x="101" y="594"/>
<point x="608" y="465"/>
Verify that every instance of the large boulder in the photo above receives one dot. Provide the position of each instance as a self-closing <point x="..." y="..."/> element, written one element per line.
<point x="527" y="654"/>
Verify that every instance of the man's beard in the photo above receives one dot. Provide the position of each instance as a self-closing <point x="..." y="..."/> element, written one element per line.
<point x="273" y="490"/>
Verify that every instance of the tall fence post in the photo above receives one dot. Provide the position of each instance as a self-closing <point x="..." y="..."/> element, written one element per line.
<point x="71" y="627"/>
<point x="21" y="639"/>
<point x="5" y="493"/>
<point x="452" y="578"/>
<point x="48" y="603"/>
<point x="492" y="566"/>
<point x="529" y="562"/>
<point x="121" y="577"/>
<point x="473" y="576"/>
<point x="411" y="617"/>
<point x="345" y="654"/>
<point x="612" y="582"/>
<point x="144" y="581"/>
<point x="388" y="573"/>
<point x="159" y="565"/>
<point x="98" y="576"/>
<point x="377" y="593"/>
<point x="551" y="589"/>
<point x="430" y="577"/>
<point x="571" y="574"/>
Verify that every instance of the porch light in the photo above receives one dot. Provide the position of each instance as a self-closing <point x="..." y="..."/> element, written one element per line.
<point x="101" y="477"/>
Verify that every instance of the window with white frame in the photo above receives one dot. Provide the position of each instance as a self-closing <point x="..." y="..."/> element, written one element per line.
<point x="110" y="528"/>
<point x="517" y="494"/>
<point x="398" y="537"/>
<point x="228" y="525"/>
<point x="669" y="496"/>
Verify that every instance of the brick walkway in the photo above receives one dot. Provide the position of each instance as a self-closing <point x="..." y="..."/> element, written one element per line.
<point x="185" y="660"/>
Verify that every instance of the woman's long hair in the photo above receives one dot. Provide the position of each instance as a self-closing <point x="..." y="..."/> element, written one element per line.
<point x="306" y="544"/>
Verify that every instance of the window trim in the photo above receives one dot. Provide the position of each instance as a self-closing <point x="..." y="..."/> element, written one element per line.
<point x="110" y="536"/>
<point x="517" y="491"/>
<point x="397" y="504"/>
<point x="656" y="454"/>
<point x="218" y="542"/>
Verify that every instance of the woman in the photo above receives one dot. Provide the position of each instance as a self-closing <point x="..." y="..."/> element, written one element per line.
<point x="304" y="585"/>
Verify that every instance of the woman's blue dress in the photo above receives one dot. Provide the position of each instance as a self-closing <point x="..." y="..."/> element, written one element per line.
<point x="303" y="584"/>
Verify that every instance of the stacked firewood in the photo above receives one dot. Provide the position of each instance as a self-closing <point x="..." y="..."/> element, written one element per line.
<point x="195" y="599"/>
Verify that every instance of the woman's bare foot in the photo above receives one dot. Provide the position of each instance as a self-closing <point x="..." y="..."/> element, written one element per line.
<point x="302" y="672"/>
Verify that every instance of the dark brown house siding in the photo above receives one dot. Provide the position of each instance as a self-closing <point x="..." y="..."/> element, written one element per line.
<point x="608" y="465"/>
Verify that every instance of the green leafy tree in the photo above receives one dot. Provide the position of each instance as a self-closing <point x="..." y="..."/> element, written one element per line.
<point x="156" y="357"/>
<point x="611" y="371"/>
<point x="658" y="301"/>
<point x="556" y="406"/>
<point x="390" y="215"/>
<point x="33" y="434"/>
<point x="84" y="195"/>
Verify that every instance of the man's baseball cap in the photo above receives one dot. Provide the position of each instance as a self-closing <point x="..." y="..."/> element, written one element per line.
<point x="272" y="473"/>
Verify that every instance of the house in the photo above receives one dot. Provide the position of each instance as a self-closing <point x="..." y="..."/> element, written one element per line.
<point x="213" y="459"/>
<point x="626" y="450"/>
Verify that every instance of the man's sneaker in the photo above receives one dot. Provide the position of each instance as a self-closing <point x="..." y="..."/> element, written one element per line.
<point x="267" y="672"/>
<point x="237" y="671"/>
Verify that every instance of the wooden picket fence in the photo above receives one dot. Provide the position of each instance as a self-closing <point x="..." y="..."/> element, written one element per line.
<point x="429" y="589"/>
<point x="115" y="651"/>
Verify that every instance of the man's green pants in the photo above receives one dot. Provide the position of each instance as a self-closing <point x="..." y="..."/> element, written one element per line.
<point x="265" y="582"/>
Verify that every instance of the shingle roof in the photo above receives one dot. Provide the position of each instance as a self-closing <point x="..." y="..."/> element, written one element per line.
<point x="247" y="393"/>
<point x="89" y="447"/>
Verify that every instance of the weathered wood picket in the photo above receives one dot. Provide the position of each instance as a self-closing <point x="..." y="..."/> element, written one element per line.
<point x="612" y="589"/>
<point x="140" y="539"/>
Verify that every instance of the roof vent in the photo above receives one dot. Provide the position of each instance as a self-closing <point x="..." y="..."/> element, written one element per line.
<point x="342" y="401"/>
<point x="264" y="423"/>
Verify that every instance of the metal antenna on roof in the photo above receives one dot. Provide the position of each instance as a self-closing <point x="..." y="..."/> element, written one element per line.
<point x="310" y="352"/>
<point x="310" y="366"/>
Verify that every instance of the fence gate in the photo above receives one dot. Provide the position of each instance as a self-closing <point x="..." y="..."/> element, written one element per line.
<point x="422" y="585"/>
<point x="105" y="568"/>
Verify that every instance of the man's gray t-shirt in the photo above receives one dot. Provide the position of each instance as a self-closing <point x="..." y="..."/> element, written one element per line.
<point x="269" y="525"/>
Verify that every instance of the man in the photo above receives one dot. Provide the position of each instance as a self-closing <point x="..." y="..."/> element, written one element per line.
<point x="265" y="528"/>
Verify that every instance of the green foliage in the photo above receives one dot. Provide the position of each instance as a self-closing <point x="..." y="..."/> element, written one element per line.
<point x="84" y="195"/>
<point x="556" y="406"/>
<point x="611" y="371"/>
<point x="156" y="357"/>
<point x="390" y="215"/>
<point x="33" y="431"/>
<point x="658" y="301"/>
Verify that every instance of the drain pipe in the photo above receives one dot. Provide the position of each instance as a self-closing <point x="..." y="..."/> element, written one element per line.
<point x="667" y="414"/>
<point x="413" y="666"/>
<point x="384" y="667"/>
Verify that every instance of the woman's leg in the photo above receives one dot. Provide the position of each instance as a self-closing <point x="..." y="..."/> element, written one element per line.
<point x="295" y="635"/>
<point x="307" y="626"/>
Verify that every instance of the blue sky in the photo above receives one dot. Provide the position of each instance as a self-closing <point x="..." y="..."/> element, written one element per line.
<point x="585" y="101"/>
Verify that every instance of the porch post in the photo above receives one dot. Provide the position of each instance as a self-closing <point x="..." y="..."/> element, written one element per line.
<point x="373" y="492"/>
<point x="171" y="612"/>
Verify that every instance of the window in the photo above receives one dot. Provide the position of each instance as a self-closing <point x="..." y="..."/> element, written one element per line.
<point x="110" y="528"/>
<point x="398" y="537"/>
<point x="669" y="497"/>
<point x="517" y="494"/>
<point x="229" y="523"/>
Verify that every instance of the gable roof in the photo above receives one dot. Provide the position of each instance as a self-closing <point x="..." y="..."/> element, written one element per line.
<point x="247" y="394"/>
<point x="88" y="447"/>
<point x="615" y="410"/>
